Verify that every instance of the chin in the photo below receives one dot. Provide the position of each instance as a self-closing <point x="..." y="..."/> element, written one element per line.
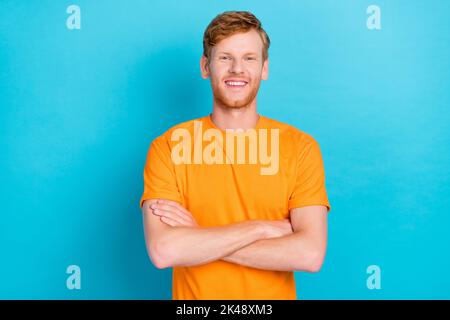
<point x="236" y="104"/>
<point x="228" y="102"/>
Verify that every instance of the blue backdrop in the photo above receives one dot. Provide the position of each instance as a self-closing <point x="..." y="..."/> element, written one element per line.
<point x="79" y="108"/>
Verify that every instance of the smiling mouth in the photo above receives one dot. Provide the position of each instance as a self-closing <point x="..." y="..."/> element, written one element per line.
<point x="235" y="84"/>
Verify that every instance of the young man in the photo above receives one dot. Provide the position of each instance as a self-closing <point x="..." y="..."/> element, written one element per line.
<point x="235" y="201"/>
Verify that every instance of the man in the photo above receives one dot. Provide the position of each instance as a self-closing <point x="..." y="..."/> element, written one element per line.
<point x="233" y="221"/>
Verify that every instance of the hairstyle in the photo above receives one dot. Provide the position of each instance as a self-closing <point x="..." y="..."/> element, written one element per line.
<point x="229" y="23"/>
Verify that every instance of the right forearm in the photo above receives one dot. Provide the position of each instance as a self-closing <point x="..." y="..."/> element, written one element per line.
<point x="184" y="246"/>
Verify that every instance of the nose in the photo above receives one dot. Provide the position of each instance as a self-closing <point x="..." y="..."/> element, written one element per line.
<point x="236" y="66"/>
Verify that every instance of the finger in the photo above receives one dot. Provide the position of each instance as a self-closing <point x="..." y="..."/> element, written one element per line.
<point x="166" y="206"/>
<point x="175" y="204"/>
<point x="177" y="209"/>
<point x="179" y="223"/>
<point x="169" y="221"/>
<point x="171" y="215"/>
<point x="174" y="211"/>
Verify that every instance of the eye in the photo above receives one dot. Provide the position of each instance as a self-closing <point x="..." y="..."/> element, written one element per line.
<point x="224" y="58"/>
<point x="251" y="58"/>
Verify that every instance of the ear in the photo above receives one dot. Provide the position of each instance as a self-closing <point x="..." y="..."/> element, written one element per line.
<point x="204" y="67"/>
<point x="265" y="70"/>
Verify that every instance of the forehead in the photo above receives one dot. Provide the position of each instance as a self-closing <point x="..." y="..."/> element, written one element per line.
<point x="240" y="43"/>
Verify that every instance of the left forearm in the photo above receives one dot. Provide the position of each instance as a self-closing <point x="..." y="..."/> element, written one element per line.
<point x="298" y="243"/>
<point x="294" y="252"/>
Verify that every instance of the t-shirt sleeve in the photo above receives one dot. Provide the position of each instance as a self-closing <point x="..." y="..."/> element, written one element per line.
<point x="309" y="188"/>
<point x="159" y="174"/>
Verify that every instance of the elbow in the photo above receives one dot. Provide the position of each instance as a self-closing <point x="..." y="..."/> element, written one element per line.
<point x="314" y="261"/>
<point x="159" y="256"/>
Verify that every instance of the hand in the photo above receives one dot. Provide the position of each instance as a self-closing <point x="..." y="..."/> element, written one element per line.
<point x="173" y="214"/>
<point x="277" y="228"/>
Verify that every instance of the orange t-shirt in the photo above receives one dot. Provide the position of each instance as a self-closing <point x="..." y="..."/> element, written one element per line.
<point x="221" y="193"/>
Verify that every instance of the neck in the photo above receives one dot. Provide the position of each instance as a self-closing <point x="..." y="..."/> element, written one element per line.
<point x="235" y="118"/>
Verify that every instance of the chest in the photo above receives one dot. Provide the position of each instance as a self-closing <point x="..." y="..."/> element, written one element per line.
<point x="221" y="194"/>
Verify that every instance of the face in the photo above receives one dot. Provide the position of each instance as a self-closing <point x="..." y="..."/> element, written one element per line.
<point x="236" y="68"/>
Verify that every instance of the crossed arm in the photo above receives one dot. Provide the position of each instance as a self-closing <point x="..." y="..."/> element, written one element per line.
<point x="173" y="238"/>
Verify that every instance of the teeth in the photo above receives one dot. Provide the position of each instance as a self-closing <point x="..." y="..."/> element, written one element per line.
<point x="235" y="83"/>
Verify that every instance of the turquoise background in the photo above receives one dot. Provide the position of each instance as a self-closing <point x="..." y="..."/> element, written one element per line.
<point x="79" y="108"/>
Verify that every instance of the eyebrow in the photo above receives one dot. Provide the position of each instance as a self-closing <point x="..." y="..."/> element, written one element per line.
<point x="247" y="53"/>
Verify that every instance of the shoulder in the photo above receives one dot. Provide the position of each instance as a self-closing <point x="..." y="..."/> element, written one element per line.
<point x="166" y="137"/>
<point x="291" y="134"/>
